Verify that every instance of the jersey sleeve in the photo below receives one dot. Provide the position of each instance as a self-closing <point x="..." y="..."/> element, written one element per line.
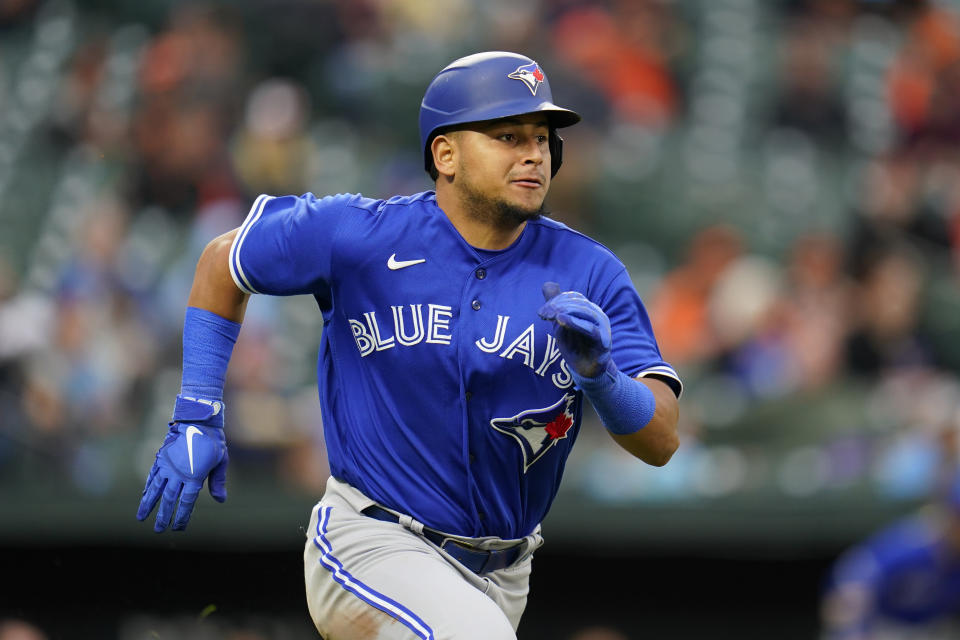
<point x="849" y="595"/>
<point x="285" y="245"/>
<point x="635" y="349"/>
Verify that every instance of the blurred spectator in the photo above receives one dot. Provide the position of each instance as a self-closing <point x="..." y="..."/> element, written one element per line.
<point x="833" y="16"/>
<point x="273" y="152"/>
<point x="25" y="317"/>
<point x="20" y="630"/>
<point x="88" y="378"/>
<point x="747" y="318"/>
<point x="12" y="11"/>
<point x="599" y="632"/>
<point x="924" y="79"/>
<point x="903" y="581"/>
<point x="886" y="334"/>
<point x="902" y="198"/>
<point x="808" y="99"/>
<point x="917" y="409"/>
<point x="78" y="91"/>
<point x="189" y="81"/>
<point x="816" y="301"/>
<point x="200" y="51"/>
<point x="624" y="52"/>
<point x="679" y="308"/>
<point x="420" y="21"/>
<point x="783" y="331"/>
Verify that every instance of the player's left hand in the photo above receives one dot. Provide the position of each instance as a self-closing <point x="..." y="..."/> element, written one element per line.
<point x="582" y="330"/>
<point x="190" y="454"/>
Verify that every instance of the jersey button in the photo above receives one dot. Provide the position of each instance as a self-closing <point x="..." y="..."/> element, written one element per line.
<point x="481" y="515"/>
<point x="476" y="305"/>
<point x="468" y="395"/>
<point x="472" y="457"/>
<point x="481" y="273"/>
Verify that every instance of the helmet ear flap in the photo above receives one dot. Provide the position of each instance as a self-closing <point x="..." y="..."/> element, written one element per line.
<point x="555" y="143"/>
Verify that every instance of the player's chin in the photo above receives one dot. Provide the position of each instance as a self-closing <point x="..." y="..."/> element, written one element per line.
<point x="527" y="198"/>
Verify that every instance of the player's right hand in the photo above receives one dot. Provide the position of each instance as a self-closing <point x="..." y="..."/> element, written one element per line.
<point x="190" y="454"/>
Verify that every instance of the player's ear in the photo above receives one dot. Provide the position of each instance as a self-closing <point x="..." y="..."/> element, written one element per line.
<point x="444" y="150"/>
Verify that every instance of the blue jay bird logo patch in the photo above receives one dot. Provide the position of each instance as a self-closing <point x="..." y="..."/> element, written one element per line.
<point x="530" y="74"/>
<point x="537" y="430"/>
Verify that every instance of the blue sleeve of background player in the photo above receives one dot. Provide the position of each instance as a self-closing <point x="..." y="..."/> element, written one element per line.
<point x="635" y="349"/>
<point x="848" y="607"/>
<point x="285" y="245"/>
<point x="867" y="584"/>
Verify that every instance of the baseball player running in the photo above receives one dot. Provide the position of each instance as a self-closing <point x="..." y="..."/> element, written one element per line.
<point x="463" y="331"/>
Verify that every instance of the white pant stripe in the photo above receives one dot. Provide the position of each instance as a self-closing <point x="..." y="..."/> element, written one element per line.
<point x="362" y="591"/>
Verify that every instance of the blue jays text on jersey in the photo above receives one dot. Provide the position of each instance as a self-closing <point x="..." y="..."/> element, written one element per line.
<point x="408" y="329"/>
<point x="443" y="394"/>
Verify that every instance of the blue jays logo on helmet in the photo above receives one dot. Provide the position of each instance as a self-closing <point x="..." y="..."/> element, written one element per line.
<point x="536" y="430"/>
<point x="530" y="74"/>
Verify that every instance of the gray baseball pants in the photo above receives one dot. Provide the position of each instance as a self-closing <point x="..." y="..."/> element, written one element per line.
<point x="369" y="579"/>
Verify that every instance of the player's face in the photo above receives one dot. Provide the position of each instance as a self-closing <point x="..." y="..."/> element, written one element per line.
<point x="503" y="167"/>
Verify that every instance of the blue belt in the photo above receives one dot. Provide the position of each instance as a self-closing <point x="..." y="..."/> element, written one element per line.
<point x="479" y="561"/>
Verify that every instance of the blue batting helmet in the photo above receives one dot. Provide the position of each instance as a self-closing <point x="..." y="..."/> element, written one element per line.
<point x="487" y="86"/>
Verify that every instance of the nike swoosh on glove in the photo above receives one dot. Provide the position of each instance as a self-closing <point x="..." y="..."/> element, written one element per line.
<point x="190" y="454"/>
<point x="582" y="330"/>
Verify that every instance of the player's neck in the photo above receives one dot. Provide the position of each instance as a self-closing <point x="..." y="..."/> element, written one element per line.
<point x="484" y="236"/>
<point x="480" y="231"/>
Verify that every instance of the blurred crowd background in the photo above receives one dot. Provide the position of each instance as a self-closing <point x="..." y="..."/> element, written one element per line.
<point x="782" y="178"/>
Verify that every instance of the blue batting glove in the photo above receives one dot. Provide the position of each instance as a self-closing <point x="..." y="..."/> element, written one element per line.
<point x="582" y="330"/>
<point x="191" y="453"/>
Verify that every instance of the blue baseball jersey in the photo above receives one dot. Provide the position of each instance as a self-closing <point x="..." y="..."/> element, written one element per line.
<point x="443" y="393"/>
<point x="906" y="574"/>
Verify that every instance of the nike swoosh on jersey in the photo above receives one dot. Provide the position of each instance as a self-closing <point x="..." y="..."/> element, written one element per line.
<point x="393" y="264"/>
<point x="191" y="431"/>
